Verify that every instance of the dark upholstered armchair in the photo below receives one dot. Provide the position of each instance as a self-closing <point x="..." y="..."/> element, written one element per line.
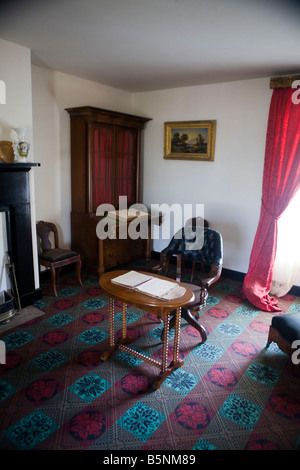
<point x="205" y="248"/>
<point x="55" y="257"/>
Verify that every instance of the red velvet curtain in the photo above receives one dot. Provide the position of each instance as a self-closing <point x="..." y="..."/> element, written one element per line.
<point x="281" y="180"/>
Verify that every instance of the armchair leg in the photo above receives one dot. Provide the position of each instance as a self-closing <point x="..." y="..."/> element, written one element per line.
<point x="191" y="320"/>
<point x="187" y="315"/>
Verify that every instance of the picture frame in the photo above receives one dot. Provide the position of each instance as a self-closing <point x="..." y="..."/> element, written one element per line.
<point x="190" y="140"/>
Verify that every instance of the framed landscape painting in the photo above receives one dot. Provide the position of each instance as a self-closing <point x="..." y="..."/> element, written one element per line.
<point x="190" y="140"/>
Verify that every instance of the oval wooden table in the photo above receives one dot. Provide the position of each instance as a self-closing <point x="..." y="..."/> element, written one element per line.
<point x="161" y="308"/>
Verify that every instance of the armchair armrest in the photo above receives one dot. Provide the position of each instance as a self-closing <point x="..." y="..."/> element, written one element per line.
<point x="213" y="276"/>
<point x="163" y="264"/>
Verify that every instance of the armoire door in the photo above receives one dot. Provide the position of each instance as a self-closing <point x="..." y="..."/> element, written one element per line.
<point x="114" y="165"/>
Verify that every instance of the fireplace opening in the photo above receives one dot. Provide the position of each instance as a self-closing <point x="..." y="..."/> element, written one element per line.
<point x="17" y="243"/>
<point x="9" y="298"/>
<point x="4" y="280"/>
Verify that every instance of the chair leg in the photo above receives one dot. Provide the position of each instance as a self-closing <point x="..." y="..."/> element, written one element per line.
<point x="52" y="269"/>
<point x="187" y="315"/>
<point x="269" y="341"/>
<point x="193" y="271"/>
<point x="78" y="271"/>
<point x="191" y="320"/>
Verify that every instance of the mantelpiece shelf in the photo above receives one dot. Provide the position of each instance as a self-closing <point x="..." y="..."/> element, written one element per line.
<point x="18" y="166"/>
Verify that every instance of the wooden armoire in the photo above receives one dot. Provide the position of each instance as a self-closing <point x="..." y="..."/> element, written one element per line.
<point x="105" y="164"/>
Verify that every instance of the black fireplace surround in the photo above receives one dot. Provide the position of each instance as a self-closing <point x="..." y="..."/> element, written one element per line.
<point x="15" y="202"/>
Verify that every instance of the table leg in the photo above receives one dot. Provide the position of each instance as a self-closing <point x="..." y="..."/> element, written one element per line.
<point x="112" y="345"/>
<point x="111" y="322"/>
<point x="165" y="344"/>
<point x="125" y="339"/>
<point x="165" y="369"/>
<point x="176" y="340"/>
<point x="124" y="321"/>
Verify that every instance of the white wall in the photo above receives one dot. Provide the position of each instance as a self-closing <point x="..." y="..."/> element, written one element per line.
<point x="230" y="187"/>
<point x="15" y="71"/>
<point x="53" y="92"/>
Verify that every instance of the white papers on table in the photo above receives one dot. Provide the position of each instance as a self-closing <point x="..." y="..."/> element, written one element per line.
<point x="131" y="279"/>
<point x="156" y="287"/>
<point x="147" y="284"/>
<point x="174" y="293"/>
<point x="165" y="290"/>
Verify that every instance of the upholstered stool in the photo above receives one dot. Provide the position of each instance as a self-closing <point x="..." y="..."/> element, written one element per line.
<point x="284" y="330"/>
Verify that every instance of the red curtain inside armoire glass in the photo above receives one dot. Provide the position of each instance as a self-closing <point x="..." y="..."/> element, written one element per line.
<point x="102" y="174"/>
<point x="112" y="179"/>
<point x="125" y="165"/>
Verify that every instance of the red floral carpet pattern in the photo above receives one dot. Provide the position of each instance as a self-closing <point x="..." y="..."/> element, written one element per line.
<point x="230" y="393"/>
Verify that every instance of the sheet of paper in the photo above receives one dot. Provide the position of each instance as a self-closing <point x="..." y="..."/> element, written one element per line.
<point x="178" y="291"/>
<point x="131" y="279"/>
<point x="157" y="287"/>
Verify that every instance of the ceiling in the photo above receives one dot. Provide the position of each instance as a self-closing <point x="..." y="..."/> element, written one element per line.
<point x="143" y="45"/>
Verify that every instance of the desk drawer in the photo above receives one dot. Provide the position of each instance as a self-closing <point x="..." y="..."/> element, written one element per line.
<point x="115" y="252"/>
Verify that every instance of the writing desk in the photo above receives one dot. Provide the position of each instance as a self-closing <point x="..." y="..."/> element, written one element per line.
<point x="161" y="308"/>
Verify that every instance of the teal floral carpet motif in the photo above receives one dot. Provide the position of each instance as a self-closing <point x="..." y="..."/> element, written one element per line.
<point x="231" y="393"/>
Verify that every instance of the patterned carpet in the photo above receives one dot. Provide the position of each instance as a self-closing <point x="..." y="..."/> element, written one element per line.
<point x="230" y="394"/>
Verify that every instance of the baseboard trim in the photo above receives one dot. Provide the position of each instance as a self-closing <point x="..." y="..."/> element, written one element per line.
<point x="231" y="274"/>
<point x="295" y="290"/>
<point x="30" y="297"/>
<point x="236" y="275"/>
